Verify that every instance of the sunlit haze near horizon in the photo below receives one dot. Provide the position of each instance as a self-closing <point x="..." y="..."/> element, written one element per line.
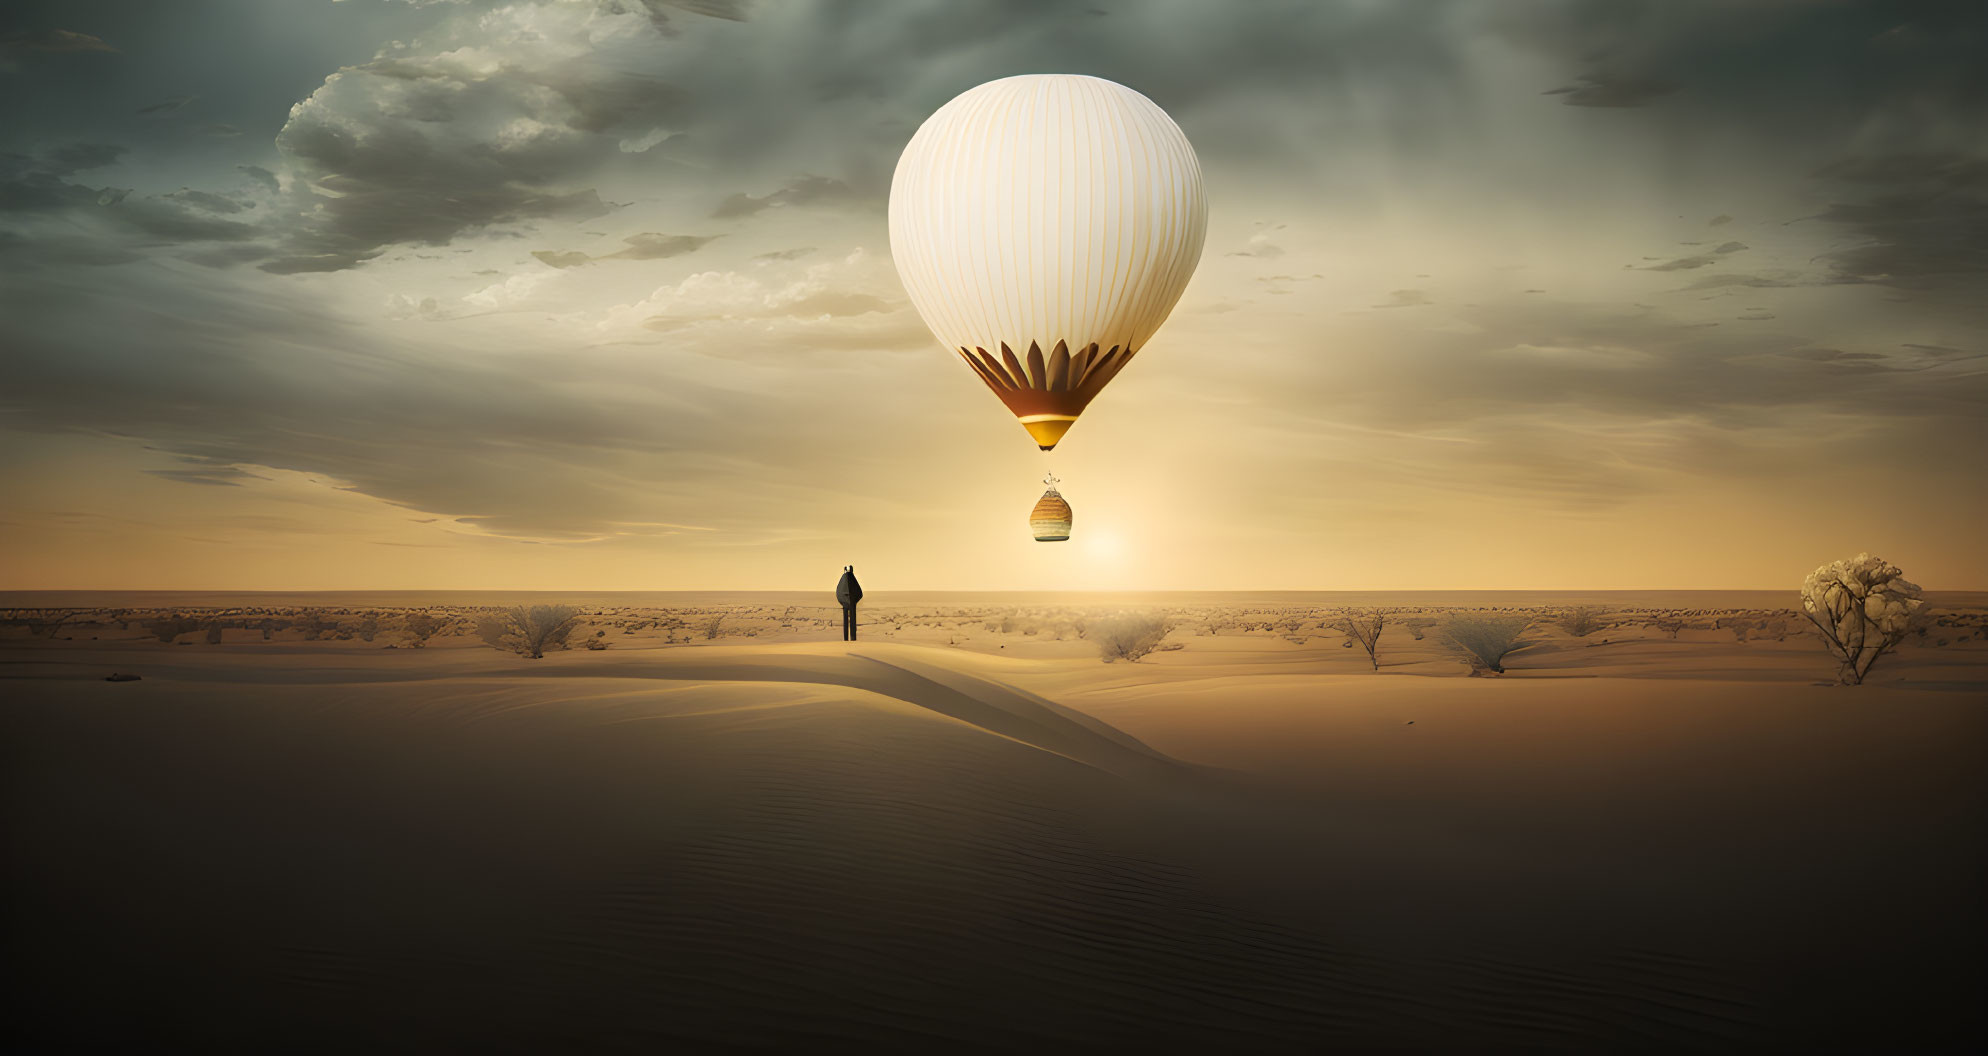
<point x="598" y="296"/>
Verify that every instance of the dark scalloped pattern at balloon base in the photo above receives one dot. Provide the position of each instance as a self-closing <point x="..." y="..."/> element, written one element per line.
<point x="1059" y="383"/>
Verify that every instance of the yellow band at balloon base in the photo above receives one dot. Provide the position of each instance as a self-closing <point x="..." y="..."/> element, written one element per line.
<point x="1047" y="429"/>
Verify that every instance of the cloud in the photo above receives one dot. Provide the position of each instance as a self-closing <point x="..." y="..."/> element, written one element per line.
<point x="533" y="446"/>
<point x="1614" y="90"/>
<point x="661" y="12"/>
<point x="1683" y="263"/>
<point x="1770" y="280"/>
<point x="855" y="285"/>
<point x="561" y="259"/>
<point x="73" y="158"/>
<point x="262" y="177"/>
<point x="499" y="118"/>
<point x="1406" y="299"/>
<point x="168" y="106"/>
<point x="649" y="245"/>
<point x="804" y="190"/>
<point x="58" y="41"/>
<point x="1260" y="246"/>
<point x="40" y="186"/>
<point x="202" y="471"/>
<point x="1923" y="220"/>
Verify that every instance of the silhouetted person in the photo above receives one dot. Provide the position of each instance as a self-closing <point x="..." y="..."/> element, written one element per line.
<point x="848" y="592"/>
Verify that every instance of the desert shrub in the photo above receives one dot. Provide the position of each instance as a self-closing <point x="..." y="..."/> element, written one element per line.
<point x="41" y="623"/>
<point x="1365" y="628"/>
<point x="714" y="625"/>
<point x="1581" y="621"/>
<point x="213" y="634"/>
<point x="530" y="631"/>
<point x="1419" y="626"/>
<point x="422" y="626"/>
<point x="368" y="628"/>
<point x="1669" y="624"/>
<point x="1128" y="636"/>
<point x="1862" y="608"/>
<point x="166" y="629"/>
<point x="1486" y="639"/>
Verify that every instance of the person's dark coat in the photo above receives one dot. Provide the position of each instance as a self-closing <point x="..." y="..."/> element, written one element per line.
<point x="848" y="591"/>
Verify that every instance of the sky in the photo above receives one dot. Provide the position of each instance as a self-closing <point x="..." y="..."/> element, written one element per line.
<point x="597" y="295"/>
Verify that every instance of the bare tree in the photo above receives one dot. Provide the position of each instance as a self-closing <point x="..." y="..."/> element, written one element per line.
<point x="1485" y="639"/>
<point x="41" y="623"/>
<point x="1365" y="628"/>
<point x="530" y="631"/>
<point x="1862" y="608"/>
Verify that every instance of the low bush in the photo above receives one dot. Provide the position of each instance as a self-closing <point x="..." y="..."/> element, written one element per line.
<point x="529" y="632"/>
<point x="1581" y="621"/>
<point x="1485" y="639"/>
<point x="1128" y="636"/>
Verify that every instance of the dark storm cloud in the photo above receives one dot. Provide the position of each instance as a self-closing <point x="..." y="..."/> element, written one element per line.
<point x="73" y="158"/>
<point x="663" y="12"/>
<point x="1889" y="99"/>
<point x="479" y="124"/>
<point x="508" y="443"/>
<point x="1529" y="357"/>
<point x="42" y="186"/>
<point x="263" y="177"/>
<point x="1584" y="407"/>
<point x="1610" y="89"/>
<point x="1925" y="224"/>
<point x="505" y="123"/>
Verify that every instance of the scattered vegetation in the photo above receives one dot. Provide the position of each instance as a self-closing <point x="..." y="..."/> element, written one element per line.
<point x="1365" y="628"/>
<point x="1128" y="635"/>
<point x="421" y="626"/>
<point x="530" y="631"/>
<point x="1486" y="639"/>
<point x="1581" y="621"/>
<point x="41" y="623"/>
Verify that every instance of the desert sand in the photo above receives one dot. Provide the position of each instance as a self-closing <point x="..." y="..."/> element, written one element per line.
<point x="965" y="831"/>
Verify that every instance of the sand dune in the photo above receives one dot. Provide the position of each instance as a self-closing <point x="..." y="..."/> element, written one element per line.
<point x="911" y="847"/>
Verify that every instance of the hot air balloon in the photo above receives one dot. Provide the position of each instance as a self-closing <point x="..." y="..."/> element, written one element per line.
<point x="1044" y="226"/>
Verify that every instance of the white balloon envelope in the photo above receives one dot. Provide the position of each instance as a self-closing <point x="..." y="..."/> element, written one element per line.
<point x="1044" y="226"/>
